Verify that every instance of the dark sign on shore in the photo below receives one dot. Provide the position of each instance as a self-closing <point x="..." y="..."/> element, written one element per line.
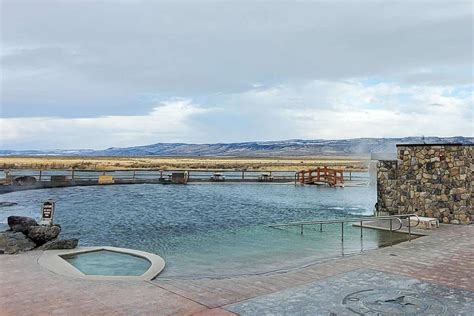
<point x="47" y="212"/>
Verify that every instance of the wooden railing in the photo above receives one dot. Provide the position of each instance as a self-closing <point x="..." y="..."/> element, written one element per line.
<point x="320" y="175"/>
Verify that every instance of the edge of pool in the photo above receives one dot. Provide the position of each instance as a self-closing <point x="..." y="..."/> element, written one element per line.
<point x="52" y="261"/>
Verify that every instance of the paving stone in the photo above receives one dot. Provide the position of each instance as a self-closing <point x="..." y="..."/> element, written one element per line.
<point x="442" y="260"/>
<point x="361" y="292"/>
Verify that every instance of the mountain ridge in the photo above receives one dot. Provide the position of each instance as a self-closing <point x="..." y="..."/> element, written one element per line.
<point x="292" y="147"/>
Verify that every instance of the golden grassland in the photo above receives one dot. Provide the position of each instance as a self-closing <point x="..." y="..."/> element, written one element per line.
<point x="181" y="163"/>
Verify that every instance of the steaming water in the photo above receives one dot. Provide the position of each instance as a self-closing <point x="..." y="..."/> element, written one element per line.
<point x="209" y="230"/>
<point x="104" y="262"/>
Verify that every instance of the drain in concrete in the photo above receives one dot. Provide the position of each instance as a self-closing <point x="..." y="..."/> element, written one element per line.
<point x="393" y="302"/>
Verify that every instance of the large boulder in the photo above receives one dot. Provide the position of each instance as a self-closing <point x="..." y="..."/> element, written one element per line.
<point x="60" y="244"/>
<point x="21" y="223"/>
<point x="15" y="242"/>
<point x="42" y="234"/>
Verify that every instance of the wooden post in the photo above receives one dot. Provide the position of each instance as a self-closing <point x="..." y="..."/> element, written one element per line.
<point x="40" y="175"/>
<point x="72" y="174"/>
<point x="243" y="174"/>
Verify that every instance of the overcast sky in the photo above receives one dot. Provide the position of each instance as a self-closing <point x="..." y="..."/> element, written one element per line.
<point x="96" y="74"/>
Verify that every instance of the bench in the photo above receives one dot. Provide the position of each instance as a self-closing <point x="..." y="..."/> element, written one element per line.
<point x="425" y="222"/>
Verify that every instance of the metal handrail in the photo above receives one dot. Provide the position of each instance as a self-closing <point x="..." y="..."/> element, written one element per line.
<point x="360" y="220"/>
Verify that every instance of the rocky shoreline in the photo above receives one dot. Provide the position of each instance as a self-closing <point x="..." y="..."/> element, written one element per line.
<point x="25" y="234"/>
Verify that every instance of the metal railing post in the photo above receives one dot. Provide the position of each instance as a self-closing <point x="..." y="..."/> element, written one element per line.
<point x="409" y="229"/>
<point x="342" y="231"/>
<point x="358" y="220"/>
<point x="391" y="234"/>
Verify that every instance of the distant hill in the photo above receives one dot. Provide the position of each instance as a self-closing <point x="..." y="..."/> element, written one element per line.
<point x="295" y="147"/>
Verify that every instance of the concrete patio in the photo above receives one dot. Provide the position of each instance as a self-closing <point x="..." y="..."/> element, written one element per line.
<point x="432" y="274"/>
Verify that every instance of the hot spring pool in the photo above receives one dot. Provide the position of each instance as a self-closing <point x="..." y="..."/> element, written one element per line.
<point x="210" y="230"/>
<point x="106" y="262"/>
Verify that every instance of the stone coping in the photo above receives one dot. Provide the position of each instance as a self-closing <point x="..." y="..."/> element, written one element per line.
<point x="52" y="261"/>
<point x="435" y="144"/>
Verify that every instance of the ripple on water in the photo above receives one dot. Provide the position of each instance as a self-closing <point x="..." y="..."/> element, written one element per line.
<point x="207" y="229"/>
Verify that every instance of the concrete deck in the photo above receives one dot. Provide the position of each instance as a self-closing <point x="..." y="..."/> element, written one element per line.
<point x="431" y="274"/>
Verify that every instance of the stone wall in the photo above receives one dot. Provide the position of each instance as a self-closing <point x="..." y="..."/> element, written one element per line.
<point x="469" y="152"/>
<point x="430" y="180"/>
<point x="387" y="193"/>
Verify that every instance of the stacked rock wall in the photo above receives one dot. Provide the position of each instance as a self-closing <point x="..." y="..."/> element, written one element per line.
<point x="469" y="152"/>
<point x="387" y="193"/>
<point x="431" y="180"/>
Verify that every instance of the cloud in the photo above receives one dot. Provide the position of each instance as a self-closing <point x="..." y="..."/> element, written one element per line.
<point x="91" y="58"/>
<point x="170" y="121"/>
<point x="311" y="109"/>
<point x="99" y="74"/>
<point x="348" y="109"/>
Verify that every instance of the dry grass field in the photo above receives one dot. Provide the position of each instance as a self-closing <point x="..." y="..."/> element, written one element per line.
<point x="181" y="163"/>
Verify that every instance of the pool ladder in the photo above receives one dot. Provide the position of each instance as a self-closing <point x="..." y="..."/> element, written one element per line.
<point x="391" y="218"/>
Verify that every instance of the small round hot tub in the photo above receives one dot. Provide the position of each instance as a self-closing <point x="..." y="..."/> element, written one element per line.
<point x="101" y="263"/>
<point x="106" y="262"/>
